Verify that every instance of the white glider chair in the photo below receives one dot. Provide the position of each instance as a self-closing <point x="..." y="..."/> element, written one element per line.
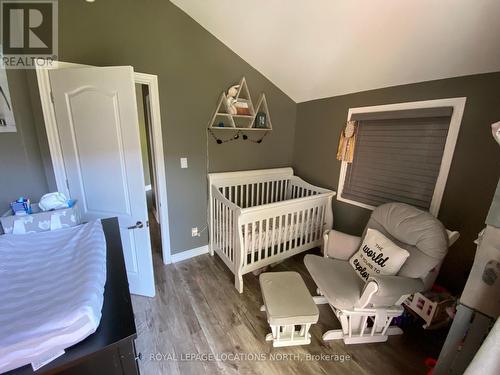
<point x="357" y="303"/>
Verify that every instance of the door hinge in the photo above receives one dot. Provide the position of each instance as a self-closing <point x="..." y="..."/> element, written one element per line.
<point x="51" y="97"/>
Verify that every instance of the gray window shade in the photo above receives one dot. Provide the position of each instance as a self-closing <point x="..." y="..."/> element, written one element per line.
<point x="397" y="159"/>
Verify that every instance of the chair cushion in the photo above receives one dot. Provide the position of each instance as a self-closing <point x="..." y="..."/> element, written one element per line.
<point x="336" y="279"/>
<point x="287" y="299"/>
<point x="417" y="231"/>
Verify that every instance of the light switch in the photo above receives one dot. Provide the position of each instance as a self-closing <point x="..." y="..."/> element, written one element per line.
<point x="184" y="162"/>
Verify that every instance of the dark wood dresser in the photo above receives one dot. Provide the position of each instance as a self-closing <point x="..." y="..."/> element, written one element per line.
<point x="110" y="350"/>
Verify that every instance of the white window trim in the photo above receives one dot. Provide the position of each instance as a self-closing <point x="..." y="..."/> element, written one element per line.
<point x="458" y="105"/>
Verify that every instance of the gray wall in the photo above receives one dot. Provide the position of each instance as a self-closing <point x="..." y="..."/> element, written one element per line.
<point x="21" y="164"/>
<point x="474" y="171"/>
<point x="193" y="68"/>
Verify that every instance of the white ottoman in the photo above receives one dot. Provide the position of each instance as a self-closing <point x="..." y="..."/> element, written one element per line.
<point x="287" y="303"/>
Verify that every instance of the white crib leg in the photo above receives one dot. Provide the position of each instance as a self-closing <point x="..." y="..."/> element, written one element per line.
<point x="238" y="282"/>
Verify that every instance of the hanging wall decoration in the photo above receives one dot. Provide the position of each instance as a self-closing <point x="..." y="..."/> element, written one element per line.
<point x="347" y="142"/>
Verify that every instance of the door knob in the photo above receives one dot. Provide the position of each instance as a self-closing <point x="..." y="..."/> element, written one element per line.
<point x="137" y="225"/>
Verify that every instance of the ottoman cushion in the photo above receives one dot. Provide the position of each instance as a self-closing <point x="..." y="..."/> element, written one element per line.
<point x="287" y="299"/>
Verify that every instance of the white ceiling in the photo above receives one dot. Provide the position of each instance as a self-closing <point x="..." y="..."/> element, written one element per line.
<point x="313" y="49"/>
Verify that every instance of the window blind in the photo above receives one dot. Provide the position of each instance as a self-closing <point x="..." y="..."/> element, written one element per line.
<point x="397" y="156"/>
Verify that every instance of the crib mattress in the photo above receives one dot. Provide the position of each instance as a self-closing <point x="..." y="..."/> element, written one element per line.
<point x="291" y="231"/>
<point x="52" y="287"/>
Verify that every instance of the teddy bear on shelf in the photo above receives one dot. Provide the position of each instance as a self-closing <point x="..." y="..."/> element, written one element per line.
<point x="231" y="99"/>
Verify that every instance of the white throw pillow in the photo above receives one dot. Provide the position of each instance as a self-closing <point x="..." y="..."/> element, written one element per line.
<point x="378" y="255"/>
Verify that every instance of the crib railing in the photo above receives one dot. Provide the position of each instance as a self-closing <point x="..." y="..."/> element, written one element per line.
<point x="279" y="232"/>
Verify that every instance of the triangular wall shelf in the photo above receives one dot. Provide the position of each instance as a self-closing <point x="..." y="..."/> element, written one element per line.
<point x="225" y="117"/>
<point x="262" y="108"/>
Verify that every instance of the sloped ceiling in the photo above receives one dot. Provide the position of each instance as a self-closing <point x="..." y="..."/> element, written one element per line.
<point x="313" y="49"/>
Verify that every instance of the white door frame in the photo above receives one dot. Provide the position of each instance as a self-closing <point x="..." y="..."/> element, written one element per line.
<point x="56" y="155"/>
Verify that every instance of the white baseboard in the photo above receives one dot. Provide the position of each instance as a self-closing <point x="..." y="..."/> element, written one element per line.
<point x="189" y="253"/>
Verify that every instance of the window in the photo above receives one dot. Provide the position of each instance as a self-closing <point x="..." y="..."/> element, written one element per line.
<point x="403" y="153"/>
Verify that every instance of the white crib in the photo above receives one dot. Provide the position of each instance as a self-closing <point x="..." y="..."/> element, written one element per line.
<point x="262" y="216"/>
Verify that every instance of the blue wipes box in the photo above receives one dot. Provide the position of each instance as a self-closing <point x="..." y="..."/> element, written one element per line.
<point x="40" y="221"/>
<point x="22" y="205"/>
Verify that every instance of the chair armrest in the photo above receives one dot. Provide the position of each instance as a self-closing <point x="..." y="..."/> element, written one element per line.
<point x="339" y="245"/>
<point x="396" y="286"/>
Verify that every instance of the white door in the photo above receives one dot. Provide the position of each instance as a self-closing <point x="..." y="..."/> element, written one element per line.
<point x="98" y="128"/>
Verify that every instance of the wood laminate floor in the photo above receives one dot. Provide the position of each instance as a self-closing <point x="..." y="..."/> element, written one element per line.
<point x="197" y="312"/>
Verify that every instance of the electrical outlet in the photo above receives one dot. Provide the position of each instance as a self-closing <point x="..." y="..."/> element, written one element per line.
<point x="194" y="232"/>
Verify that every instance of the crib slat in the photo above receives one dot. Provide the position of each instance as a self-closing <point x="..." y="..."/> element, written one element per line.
<point x="301" y="227"/>
<point x="272" y="192"/>
<point x="320" y="222"/>
<point x="259" y="249"/>
<point x="312" y="233"/>
<point x="279" y="234"/>
<point x="231" y="237"/>
<point x="311" y="225"/>
<point x="252" y="249"/>
<point x="228" y="230"/>
<point x="215" y="232"/>
<point x="219" y="225"/>
<point x="307" y="221"/>
<point x="273" y="235"/>
<point x="216" y="223"/>
<point x="228" y="233"/>
<point x="266" y="244"/>
<point x="252" y="195"/>
<point x="247" y="241"/>
<point x="247" y="195"/>
<point x="316" y="229"/>
<point x="211" y="234"/>
<point x="224" y="231"/>
<point x="290" y="231"/>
